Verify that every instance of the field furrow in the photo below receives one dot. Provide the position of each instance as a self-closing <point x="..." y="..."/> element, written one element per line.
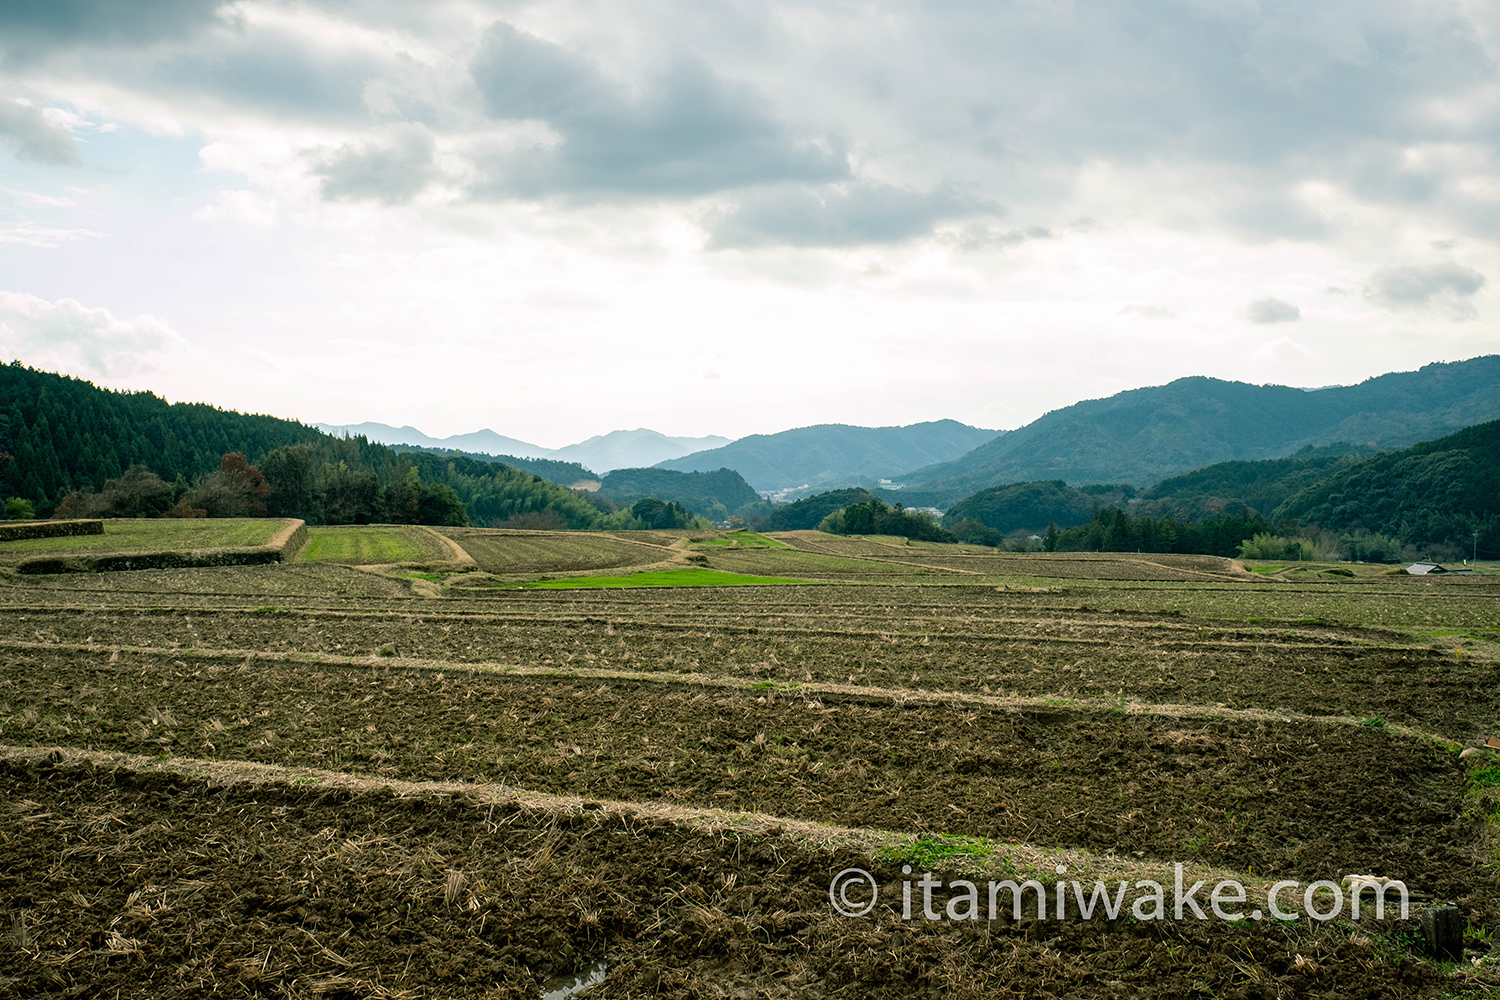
<point x="1273" y="796"/>
<point x="416" y="781"/>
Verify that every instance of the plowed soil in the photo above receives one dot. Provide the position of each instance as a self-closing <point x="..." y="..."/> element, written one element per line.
<point x="138" y="884"/>
<point x="312" y="781"/>
<point x="977" y="642"/>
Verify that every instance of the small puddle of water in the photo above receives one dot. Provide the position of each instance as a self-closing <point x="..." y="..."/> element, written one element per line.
<point x="568" y="986"/>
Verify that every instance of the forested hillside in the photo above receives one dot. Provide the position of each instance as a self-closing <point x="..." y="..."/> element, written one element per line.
<point x="70" y="448"/>
<point x="715" y="495"/>
<point x="809" y="512"/>
<point x="1440" y="498"/>
<point x="1438" y="493"/>
<point x="1031" y="506"/>
<point x="550" y="469"/>
<point x="60" y="434"/>
<point x="1143" y="435"/>
<point x="1263" y="486"/>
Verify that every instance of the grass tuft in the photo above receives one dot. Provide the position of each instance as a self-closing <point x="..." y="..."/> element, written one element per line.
<point x="934" y="849"/>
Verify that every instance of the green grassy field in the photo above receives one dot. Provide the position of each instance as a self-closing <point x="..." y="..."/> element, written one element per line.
<point x="370" y="544"/>
<point x="128" y="535"/>
<point x="688" y="577"/>
<point x="740" y="540"/>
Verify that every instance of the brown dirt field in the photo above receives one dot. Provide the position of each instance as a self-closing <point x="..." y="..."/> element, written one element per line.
<point x="979" y="560"/>
<point x="516" y="552"/>
<point x="976" y="642"/>
<point x="1274" y="797"/>
<point x="117" y="879"/>
<point x="156" y="885"/>
<point x="306" y="585"/>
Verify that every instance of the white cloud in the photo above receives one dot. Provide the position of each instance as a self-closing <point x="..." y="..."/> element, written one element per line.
<point x="1283" y="349"/>
<point x="32" y="234"/>
<point x="244" y="207"/>
<point x="1272" y="310"/>
<point x="1149" y="312"/>
<point x="69" y="337"/>
<point x="33" y="199"/>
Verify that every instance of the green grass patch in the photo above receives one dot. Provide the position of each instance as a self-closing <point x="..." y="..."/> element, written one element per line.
<point x="938" y="850"/>
<point x="690" y="577"/>
<point x="167" y="534"/>
<point x="1266" y="570"/>
<point x="1487" y="777"/>
<point x="368" y="545"/>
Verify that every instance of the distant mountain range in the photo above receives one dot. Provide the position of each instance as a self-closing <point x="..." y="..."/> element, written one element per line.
<point x="632" y="449"/>
<point x="601" y="454"/>
<point x="1441" y="496"/>
<point x="1208" y="445"/>
<point x="835" y="454"/>
<point x="1145" y="435"/>
<point x="1140" y="437"/>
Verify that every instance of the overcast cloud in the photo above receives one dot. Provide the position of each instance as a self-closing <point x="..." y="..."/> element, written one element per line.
<point x="1272" y="310"/>
<point x="27" y="130"/>
<point x="1008" y="182"/>
<point x="1446" y="287"/>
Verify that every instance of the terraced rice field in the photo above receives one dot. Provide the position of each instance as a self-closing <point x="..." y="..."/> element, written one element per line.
<point x="314" y="781"/>
<point x="128" y="536"/>
<point x="530" y="552"/>
<point x="372" y="545"/>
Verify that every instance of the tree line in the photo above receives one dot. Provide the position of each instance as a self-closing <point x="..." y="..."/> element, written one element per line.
<point x="71" y="449"/>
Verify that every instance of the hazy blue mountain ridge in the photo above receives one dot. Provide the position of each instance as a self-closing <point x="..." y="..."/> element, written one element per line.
<point x="835" y="453"/>
<point x="601" y="453"/>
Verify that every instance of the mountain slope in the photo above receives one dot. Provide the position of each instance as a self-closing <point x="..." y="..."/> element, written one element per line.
<point x="1032" y="505"/>
<point x="715" y="494"/>
<point x="809" y="511"/>
<point x="829" y="453"/>
<point x="1262" y="486"/>
<point x="1438" y="492"/>
<point x="485" y="442"/>
<point x="59" y="434"/>
<point x="62" y="437"/>
<point x="603" y="452"/>
<point x="561" y="473"/>
<point x="1145" y="435"/>
<point x="632" y="449"/>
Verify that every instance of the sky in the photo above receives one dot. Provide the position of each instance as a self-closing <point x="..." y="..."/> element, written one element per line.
<point x="561" y="218"/>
